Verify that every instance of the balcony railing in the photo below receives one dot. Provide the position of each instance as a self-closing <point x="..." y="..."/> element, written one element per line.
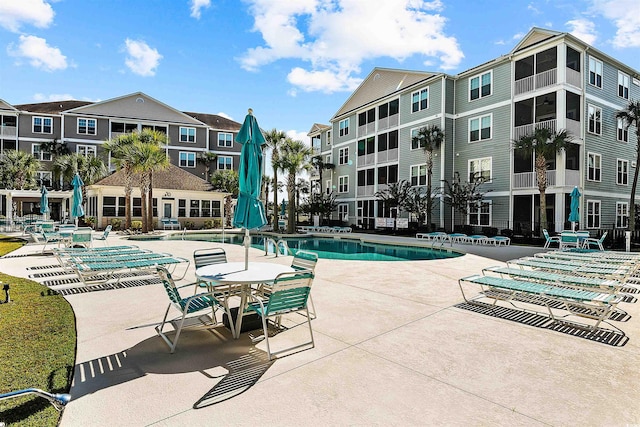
<point x="388" y="155"/>
<point x="529" y="180"/>
<point x="574" y="128"/>
<point x="572" y="177"/>
<point x="367" y="129"/>
<point x="574" y="78"/>
<point x="388" y="122"/>
<point x="537" y="81"/>
<point x="8" y="131"/>
<point x="366" y="160"/>
<point x="520" y="131"/>
<point x="366" y="190"/>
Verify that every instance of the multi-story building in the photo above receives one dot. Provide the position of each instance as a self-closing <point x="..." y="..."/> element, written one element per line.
<point x="550" y="79"/>
<point x="83" y="127"/>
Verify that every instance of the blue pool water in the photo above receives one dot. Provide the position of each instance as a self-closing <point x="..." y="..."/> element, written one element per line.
<point x="333" y="248"/>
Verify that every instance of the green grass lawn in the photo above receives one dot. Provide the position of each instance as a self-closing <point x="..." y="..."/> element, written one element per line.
<point x="37" y="347"/>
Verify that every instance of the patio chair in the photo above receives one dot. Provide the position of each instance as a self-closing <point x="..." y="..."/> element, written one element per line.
<point x="209" y="256"/>
<point x="591" y="241"/>
<point x="549" y="239"/>
<point x="104" y="235"/>
<point x="305" y="260"/>
<point x="569" y="239"/>
<point x="186" y="306"/>
<point x="289" y="294"/>
<point x="82" y="237"/>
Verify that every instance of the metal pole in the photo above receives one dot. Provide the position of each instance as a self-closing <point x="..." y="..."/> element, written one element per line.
<point x="247" y="242"/>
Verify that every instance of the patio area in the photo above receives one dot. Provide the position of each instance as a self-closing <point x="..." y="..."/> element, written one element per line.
<point x="395" y="345"/>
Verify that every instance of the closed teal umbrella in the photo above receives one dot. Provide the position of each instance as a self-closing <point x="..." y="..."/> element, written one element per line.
<point x="76" y="209"/>
<point x="249" y="212"/>
<point x="574" y="214"/>
<point x="44" y="201"/>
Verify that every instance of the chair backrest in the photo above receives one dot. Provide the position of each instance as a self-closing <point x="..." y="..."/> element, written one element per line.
<point x="545" y="233"/>
<point x="304" y="260"/>
<point x="210" y="256"/>
<point x="106" y="232"/>
<point x="47" y="226"/>
<point x="169" y="284"/>
<point x="290" y="292"/>
<point x="82" y="235"/>
<point x="604" y="235"/>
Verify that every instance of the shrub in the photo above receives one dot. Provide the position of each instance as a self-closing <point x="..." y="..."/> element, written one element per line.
<point x="507" y="232"/>
<point x="189" y="225"/>
<point x="209" y="223"/>
<point x="116" y="223"/>
<point x="136" y="225"/>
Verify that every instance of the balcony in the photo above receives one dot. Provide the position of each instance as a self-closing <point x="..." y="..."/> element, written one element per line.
<point x="367" y="129"/>
<point x="388" y="155"/>
<point x="574" y="78"/>
<point x="520" y="131"/>
<point x="8" y="131"/>
<point x="366" y="160"/>
<point x="537" y="81"/>
<point x="365" y="190"/>
<point x="574" y="128"/>
<point x="529" y="180"/>
<point x="388" y="122"/>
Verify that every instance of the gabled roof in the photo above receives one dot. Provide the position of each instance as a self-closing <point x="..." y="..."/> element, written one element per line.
<point x="136" y="106"/>
<point x="172" y="178"/>
<point x="215" y="121"/>
<point x="381" y="82"/>
<point x="534" y="36"/>
<point x="318" y="127"/>
<point x="55" y="107"/>
<point x="5" y="106"/>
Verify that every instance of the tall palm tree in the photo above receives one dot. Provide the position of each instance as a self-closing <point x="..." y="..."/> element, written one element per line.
<point x="429" y="138"/>
<point x="266" y="184"/>
<point x="293" y="159"/>
<point x="147" y="157"/>
<point x="18" y="170"/>
<point x="118" y="148"/>
<point x="206" y="158"/>
<point x="395" y="196"/>
<point x="544" y="144"/>
<point x="91" y="169"/>
<point x="160" y="139"/>
<point x="274" y="139"/>
<point x="302" y="187"/>
<point x="320" y="166"/>
<point x="631" y="117"/>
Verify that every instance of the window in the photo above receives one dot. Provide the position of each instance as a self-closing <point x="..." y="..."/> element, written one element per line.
<point x="136" y="206"/>
<point x="480" y="128"/>
<point x="594" y="162"/>
<point x="118" y="127"/>
<point x="42" y="125"/>
<point x="86" y="150"/>
<point x="44" y="178"/>
<point x="593" y="213"/>
<point x="623" y="172"/>
<point x="225" y="163"/>
<point x="420" y="100"/>
<point x="329" y="138"/>
<point x="187" y="134"/>
<point x="343" y="184"/>
<point x="194" y="208"/>
<point x="480" y="214"/>
<point x="595" y="119"/>
<point x="327" y="186"/>
<point x="182" y="207"/>
<point x="480" y="168"/>
<point x="187" y="160"/>
<point x="87" y="126"/>
<point x="367" y="117"/>
<point x="391" y="108"/>
<point x="225" y="139"/>
<point x="480" y="86"/>
<point x="623" y="131"/>
<point x="388" y="174"/>
<point x="343" y="212"/>
<point x="623" y="85"/>
<point x="344" y="127"/>
<point x="40" y="153"/>
<point x="415" y="144"/>
<point x="162" y="129"/>
<point x="343" y="156"/>
<point x="419" y="175"/>
<point x="595" y="72"/>
<point x="622" y="215"/>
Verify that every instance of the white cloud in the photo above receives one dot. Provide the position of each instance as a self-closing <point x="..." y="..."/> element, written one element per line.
<point x="225" y="115"/>
<point x="336" y="36"/>
<point x="197" y="6"/>
<point x="142" y="59"/>
<point x="298" y="136"/>
<point x="39" y="53"/>
<point x="625" y="15"/>
<point x="583" y="29"/>
<point x="40" y="97"/>
<point x="15" y="13"/>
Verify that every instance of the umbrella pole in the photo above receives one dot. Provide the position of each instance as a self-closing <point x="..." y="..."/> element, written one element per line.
<point x="247" y="242"/>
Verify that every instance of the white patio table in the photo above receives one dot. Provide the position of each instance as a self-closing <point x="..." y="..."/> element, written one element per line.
<point x="234" y="273"/>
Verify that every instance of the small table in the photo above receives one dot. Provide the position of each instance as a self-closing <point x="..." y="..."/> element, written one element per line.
<point x="233" y="273"/>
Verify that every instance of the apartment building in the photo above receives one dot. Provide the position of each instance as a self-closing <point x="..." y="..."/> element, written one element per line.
<point x="84" y="127"/>
<point x="549" y="79"/>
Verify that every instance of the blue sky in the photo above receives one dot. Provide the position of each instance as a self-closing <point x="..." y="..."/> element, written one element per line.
<point x="294" y="62"/>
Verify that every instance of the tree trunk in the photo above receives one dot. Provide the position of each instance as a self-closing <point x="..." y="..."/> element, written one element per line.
<point x="275" y="199"/>
<point x="150" y="222"/>
<point x="128" y="188"/>
<point x="541" y="175"/>
<point x="429" y="172"/>
<point x="291" y="187"/>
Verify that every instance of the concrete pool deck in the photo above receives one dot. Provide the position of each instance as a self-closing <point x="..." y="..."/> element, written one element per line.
<point x="395" y="345"/>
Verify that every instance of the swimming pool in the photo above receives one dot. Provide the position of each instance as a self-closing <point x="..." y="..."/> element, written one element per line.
<point x="332" y="247"/>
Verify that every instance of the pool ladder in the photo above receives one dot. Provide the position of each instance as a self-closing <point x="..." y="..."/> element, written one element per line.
<point x="280" y="244"/>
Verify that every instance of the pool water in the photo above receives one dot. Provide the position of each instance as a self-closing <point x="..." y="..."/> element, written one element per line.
<point x="333" y="248"/>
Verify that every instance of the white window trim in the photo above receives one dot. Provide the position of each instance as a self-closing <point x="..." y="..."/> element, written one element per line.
<point x="39" y="154"/>
<point x="344" y="207"/>
<point x="411" y="136"/>
<point x="479" y="76"/>
<point x="327" y="186"/>
<point x="195" y="134"/>
<point x="418" y="166"/>
<point x="588" y="119"/>
<point x="348" y="125"/>
<point x="480" y="159"/>
<point x="601" y="75"/>
<point x="419" y="91"/>
<point x="188" y="154"/>
<point x="479" y="118"/>
<point x="85" y="148"/>
<point x="95" y="127"/>
<point x="594" y="202"/>
<point x="623" y="161"/>
<point x="342" y="161"/>
<point x="225" y="145"/>
<point x="590" y="153"/>
<point x="42" y="118"/>
<point x="342" y="179"/>
<point x="226" y="158"/>
<point x="482" y="202"/>
<point x="41" y="174"/>
<point x="621" y="125"/>
<point x="620" y="73"/>
<point x="626" y="210"/>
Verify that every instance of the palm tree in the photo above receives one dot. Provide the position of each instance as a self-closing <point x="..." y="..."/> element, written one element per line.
<point x="266" y="184"/>
<point x="206" y="158"/>
<point x="545" y="144"/>
<point x="320" y="166"/>
<point x="430" y="138"/>
<point x="147" y="157"/>
<point x="293" y="159"/>
<point x="91" y="169"/>
<point x="631" y="117"/>
<point x="395" y="196"/>
<point x="302" y="187"/>
<point x="274" y="139"/>
<point x="158" y="138"/>
<point x="122" y="158"/>
<point x="18" y="170"/>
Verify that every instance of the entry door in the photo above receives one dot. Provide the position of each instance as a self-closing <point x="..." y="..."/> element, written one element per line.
<point x="167" y="209"/>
